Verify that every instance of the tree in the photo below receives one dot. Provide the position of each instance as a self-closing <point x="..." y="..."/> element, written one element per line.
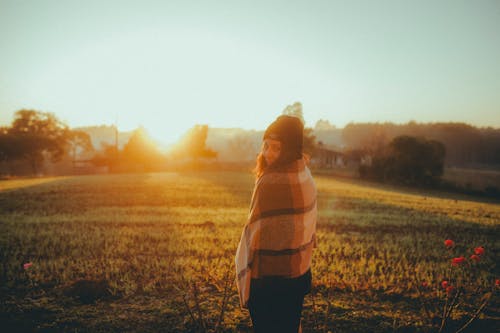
<point x="36" y="134"/>
<point x="193" y="144"/>
<point x="465" y="145"/>
<point x="108" y="155"/>
<point x="141" y="150"/>
<point x="8" y="145"/>
<point x="309" y="141"/>
<point x="324" y="125"/>
<point x="408" y="160"/>
<point x="366" y="136"/>
<point x="79" y="142"/>
<point x="294" y="110"/>
<point x="416" y="160"/>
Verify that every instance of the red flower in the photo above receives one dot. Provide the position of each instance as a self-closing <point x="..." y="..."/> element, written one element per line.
<point x="497" y="282"/>
<point x="479" y="250"/>
<point x="475" y="257"/>
<point x="27" y="265"/>
<point x="449" y="243"/>
<point x="444" y="284"/>
<point x="425" y="284"/>
<point x="450" y="289"/>
<point x="457" y="261"/>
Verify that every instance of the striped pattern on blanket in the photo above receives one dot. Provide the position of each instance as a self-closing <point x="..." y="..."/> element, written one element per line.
<point x="280" y="232"/>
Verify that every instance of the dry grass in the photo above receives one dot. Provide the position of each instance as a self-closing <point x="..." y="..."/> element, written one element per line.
<point x="164" y="244"/>
<point x="473" y="179"/>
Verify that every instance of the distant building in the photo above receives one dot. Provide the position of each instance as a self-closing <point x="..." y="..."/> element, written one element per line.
<point x="82" y="167"/>
<point x="327" y="158"/>
<point x="366" y="160"/>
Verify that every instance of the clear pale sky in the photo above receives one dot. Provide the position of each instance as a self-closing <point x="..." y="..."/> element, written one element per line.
<point x="167" y="65"/>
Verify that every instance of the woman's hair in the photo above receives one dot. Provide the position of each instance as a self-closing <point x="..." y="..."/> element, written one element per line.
<point x="260" y="165"/>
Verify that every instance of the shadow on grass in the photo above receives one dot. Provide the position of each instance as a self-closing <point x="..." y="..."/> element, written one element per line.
<point x="165" y="311"/>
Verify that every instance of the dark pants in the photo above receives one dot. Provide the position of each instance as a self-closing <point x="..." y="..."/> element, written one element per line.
<point x="276" y="305"/>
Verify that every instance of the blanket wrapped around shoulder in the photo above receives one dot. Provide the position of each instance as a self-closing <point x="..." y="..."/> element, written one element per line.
<point x="280" y="232"/>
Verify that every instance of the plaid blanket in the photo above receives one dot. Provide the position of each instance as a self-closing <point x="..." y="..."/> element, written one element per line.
<point x="279" y="235"/>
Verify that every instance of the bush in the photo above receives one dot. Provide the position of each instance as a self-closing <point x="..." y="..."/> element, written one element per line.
<point x="408" y="160"/>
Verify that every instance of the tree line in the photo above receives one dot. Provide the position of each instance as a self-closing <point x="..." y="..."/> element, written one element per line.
<point x="417" y="154"/>
<point x="35" y="137"/>
<point x="465" y="145"/>
<point x="410" y="153"/>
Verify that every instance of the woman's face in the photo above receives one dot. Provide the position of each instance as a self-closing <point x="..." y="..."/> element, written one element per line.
<point x="271" y="150"/>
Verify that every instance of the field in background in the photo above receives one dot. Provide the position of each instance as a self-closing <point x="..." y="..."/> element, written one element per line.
<point x="162" y="247"/>
<point x="473" y="179"/>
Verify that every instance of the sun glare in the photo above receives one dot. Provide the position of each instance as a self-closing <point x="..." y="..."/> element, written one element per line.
<point x="165" y="135"/>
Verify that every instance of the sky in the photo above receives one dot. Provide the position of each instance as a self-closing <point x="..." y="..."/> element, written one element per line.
<point x="168" y="65"/>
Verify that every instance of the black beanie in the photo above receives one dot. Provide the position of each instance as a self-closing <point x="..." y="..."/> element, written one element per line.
<point x="289" y="131"/>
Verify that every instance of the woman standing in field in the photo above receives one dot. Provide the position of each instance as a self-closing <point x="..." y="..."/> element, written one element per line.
<point x="273" y="260"/>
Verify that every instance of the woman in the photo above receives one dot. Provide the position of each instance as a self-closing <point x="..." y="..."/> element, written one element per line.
<point x="273" y="259"/>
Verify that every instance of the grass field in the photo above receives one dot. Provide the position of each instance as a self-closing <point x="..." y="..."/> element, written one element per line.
<point x="473" y="179"/>
<point x="155" y="253"/>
